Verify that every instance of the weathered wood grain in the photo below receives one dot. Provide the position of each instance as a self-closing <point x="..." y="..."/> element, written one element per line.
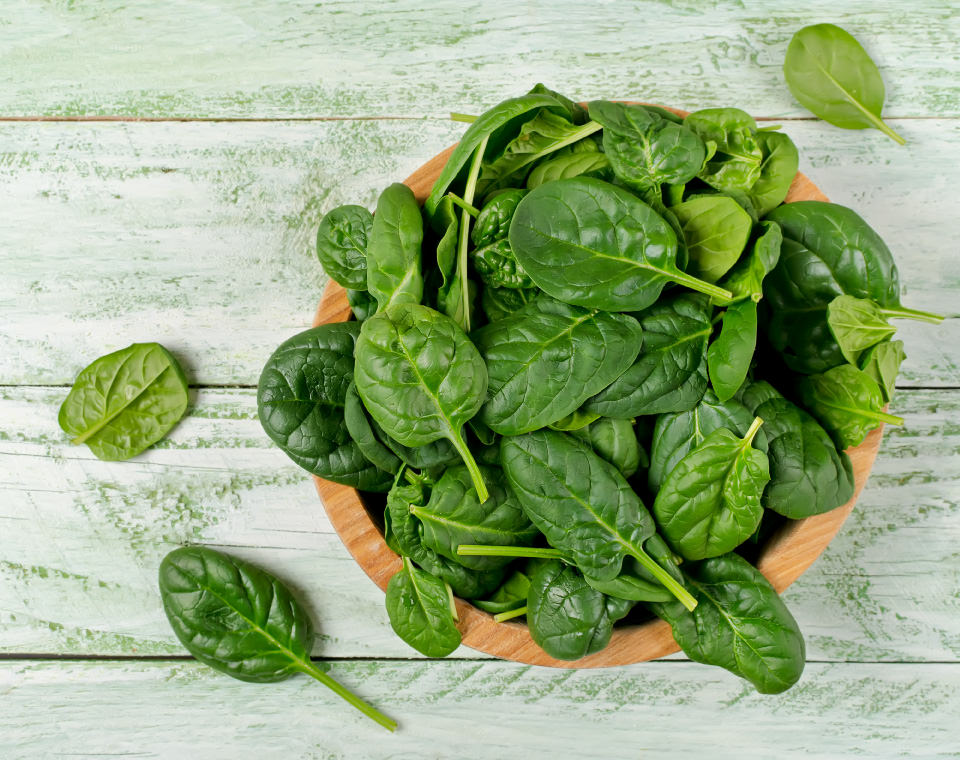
<point x="82" y="539"/>
<point x="249" y="58"/>
<point x="477" y="710"/>
<point x="201" y="236"/>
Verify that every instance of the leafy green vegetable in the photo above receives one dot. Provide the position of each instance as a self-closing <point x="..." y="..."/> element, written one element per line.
<point x="421" y="378"/>
<point x="780" y="163"/>
<point x="361" y="431"/>
<point x="716" y="230"/>
<point x="300" y="401"/>
<point x="393" y="253"/>
<point x="730" y="355"/>
<point x="592" y="244"/>
<point x="739" y="624"/>
<point x="242" y="621"/>
<point x="709" y="503"/>
<point x="361" y="303"/>
<point x="613" y="440"/>
<point x="858" y="323"/>
<point x="451" y="298"/>
<point x="499" y="268"/>
<point x="576" y="420"/>
<point x="882" y="363"/>
<point x="548" y="358"/>
<point x="342" y="245"/>
<point x="510" y="595"/>
<point x="737" y="159"/>
<point x="745" y="280"/>
<point x="421" y="611"/>
<point x="493" y="222"/>
<point x="583" y="164"/>
<point x="498" y="303"/>
<point x="125" y="401"/>
<point x="830" y="73"/>
<point x="636" y="583"/>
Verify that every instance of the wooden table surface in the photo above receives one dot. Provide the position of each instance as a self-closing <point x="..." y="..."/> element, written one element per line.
<point x="163" y="167"/>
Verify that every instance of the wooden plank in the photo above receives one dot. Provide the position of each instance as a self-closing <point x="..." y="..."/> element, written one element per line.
<point x="476" y="710"/>
<point x="83" y="538"/>
<point x="201" y="236"/>
<point x="248" y="58"/>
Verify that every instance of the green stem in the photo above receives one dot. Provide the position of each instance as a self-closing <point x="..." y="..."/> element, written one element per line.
<point x="668" y="581"/>
<point x="468" y="207"/>
<point x="451" y="603"/>
<point x="882" y="126"/>
<point x="483" y="550"/>
<point x="456" y="438"/>
<point x="891" y="419"/>
<point x="468" y="192"/>
<point x="769" y="128"/>
<point x="752" y="431"/>
<point x="585" y="131"/>
<point x="509" y="615"/>
<point x="464" y="117"/>
<point x="921" y="316"/>
<point x="700" y="286"/>
<point x="367" y="709"/>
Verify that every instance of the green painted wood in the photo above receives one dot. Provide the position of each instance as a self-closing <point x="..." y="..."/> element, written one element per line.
<point x="452" y="710"/>
<point x="249" y="58"/>
<point x="201" y="236"/>
<point x="82" y="539"/>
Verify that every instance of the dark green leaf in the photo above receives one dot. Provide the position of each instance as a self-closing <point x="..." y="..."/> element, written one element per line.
<point x="635" y="583"/>
<point x="493" y="222"/>
<point x="745" y="280"/>
<point x="420" y="608"/>
<point x="511" y="595"/>
<point x="393" y="253"/>
<point x="729" y="356"/>
<point x="362" y="304"/>
<point x="498" y="303"/>
<point x="342" y="245"/>
<point x="736" y="162"/>
<point x="779" y="167"/>
<point x="361" y="431"/>
<point x="716" y="230"/>
<point x="582" y="164"/>
<point x="613" y="440"/>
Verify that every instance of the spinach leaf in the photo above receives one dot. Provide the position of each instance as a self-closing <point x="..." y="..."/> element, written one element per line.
<point x="635" y="583"/>
<point x="493" y="221"/>
<point x="716" y="230"/>
<point x="421" y="611"/>
<point x="498" y="303"/>
<point x="548" y="358"/>
<point x="455" y="516"/>
<point x="882" y="363"/>
<point x="740" y="624"/>
<point x="576" y="420"/>
<point x="729" y="356"/>
<point x="582" y="504"/>
<point x="709" y="503"/>
<point x="300" y="401"/>
<point x="125" y="401"/>
<point x="737" y="160"/>
<point x="808" y="476"/>
<point x="511" y="595"/>
<point x="362" y="432"/>
<point x="440" y="453"/>
<point x="755" y="393"/>
<point x="450" y="298"/>
<point x="777" y="170"/>
<point x="858" y="323"/>
<point x="613" y="440"/>
<point x="830" y="73"/>
<point x="676" y="435"/>
<point x="499" y="268"/>
<point x="421" y="378"/>
<point x="393" y="253"/>
<point x="577" y="113"/>
<point x="592" y="244"/>
<point x="581" y="164"/>
<point x="644" y="149"/>
<point x="242" y="621"/>
<point x="670" y="373"/>
<point x="362" y="304"/>
<point x="745" y="279"/>
<point x="847" y="402"/>
<point x="342" y="245"/>
<point x="567" y="618"/>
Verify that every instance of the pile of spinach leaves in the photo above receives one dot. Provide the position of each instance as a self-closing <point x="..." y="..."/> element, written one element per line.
<point x="590" y="371"/>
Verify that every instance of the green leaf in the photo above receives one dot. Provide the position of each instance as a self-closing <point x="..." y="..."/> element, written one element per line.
<point x="716" y="230"/>
<point x="780" y="163"/>
<point x="493" y="222"/>
<point x="362" y="304"/>
<point x="831" y="75"/>
<point x="361" y="431"/>
<point x="420" y="610"/>
<point x="125" y="401"/>
<point x="499" y="303"/>
<point x="342" y="245"/>
<point x="242" y="621"/>
<point x="613" y="440"/>
<point x="882" y="363"/>
<point x="393" y="253"/>
<point x="736" y="162"/>
<point x="745" y="279"/>
<point x="576" y="420"/>
<point x="857" y="324"/>
<point x="509" y="596"/>
<point x="729" y="356"/>
<point x="450" y="297"/>
<point x="585" y="164"/>
<point x="635" y="583"/>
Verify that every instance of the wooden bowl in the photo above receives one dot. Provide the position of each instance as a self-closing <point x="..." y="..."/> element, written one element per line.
<point x="784" y="558"/>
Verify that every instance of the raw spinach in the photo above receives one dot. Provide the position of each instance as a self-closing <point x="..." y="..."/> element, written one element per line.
<point x="576" y="420"/>
<point x="498" y="303"/>
<point x="511" y="595"/>
<point x="125" y="401"/>
<point x="393" y="251"/>
<point x="730" y="355"/>
<point x="613" y="440"/>
<point x="422" y="611"/>
<point x="342" y="245"/>
<point x="858" y="323"/>
<point x="635" y="583"/>
<point x="361" y="430"/>
<point x="882" y="363"/>
<point x="745" y="279"/>
<point x="716" y="230"/>
<point x="777" y="170"/>
<point x="736" y="162"/>
<point x="493" y="221"/>
<point x="362" y="304"/>
<point x="242" y="621"/>
<point x="581" y="164"/>
<point x="451" y="298"/>
<point x="499" y="268"/>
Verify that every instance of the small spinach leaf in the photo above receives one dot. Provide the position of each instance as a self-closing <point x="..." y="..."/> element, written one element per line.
<point x="780" y="163"/>
<point x="342" y="245"/>
<point x="362" y="432"/>
<point x="635" y="583"/>
<point x="882" y="363"/>
<point x="737" y="160"/>
<point x="729" y="356"/>
<point x="421" y="611"/>
<point x="716" y="230"/>
<point x="510" y="595"/>
<point x="613" y="440"/>
<point x="362" y="304"/>
<point x="580" y="164"/>
<point x="858" y="323"/>
<point x="745" y="279"/>
<point x="393" y="253"/>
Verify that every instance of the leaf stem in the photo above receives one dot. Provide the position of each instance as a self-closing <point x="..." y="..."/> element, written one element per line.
<point x="585" y="131"/>
<point x="464" y="117"/>
<point x="468" y="207"/>
<point x="700" y="286"/>
<point x="483" y="550"/>
<point x="904" y="313"/>
<point x="752" y="431"/>
<point x="468" y="192"/>
<point x="669" y="582"/>
<point x="891" y="419"/>
<point x="883" y="127"/>
<point x="510" y="614"/>
<point x="367" y="709"/>
<point x="456" y="438"/>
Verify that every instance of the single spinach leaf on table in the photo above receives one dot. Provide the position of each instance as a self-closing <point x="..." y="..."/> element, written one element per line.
<point x="716" y="230"/>
<point x="581" y="164"/>
<point x="393" y="252"/>
<point x="882" y="363"/>
<point x="614" y="440"/>
<point x="582" y="504"/>
<point x="242" y="621"/>
<point x="300" y="401"/>
<point x="830" y="74"/>
<point x="740" y="623"/>
<point x="730" y="355"/>
<point x="709" y="503"/>
<point x="736" y="163"/>
<point x="421" y="378"/>
<point x="125" y="401"/>
<point x="421" y="611"/>
<point x="342" y="245"/>
<point x="589" y="243"/>
<point x="777" y="170"/>
<point x="670" y="373"/>
<point x="548" y="358"/>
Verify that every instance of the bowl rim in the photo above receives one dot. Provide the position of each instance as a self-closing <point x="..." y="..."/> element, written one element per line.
<point x="785" y="557"/>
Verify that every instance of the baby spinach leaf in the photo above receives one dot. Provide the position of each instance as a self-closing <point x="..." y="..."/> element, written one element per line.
<point x="362" y="304"/>
<point x="644" y="149"/>
<point x="511" y="595"/>
<point x="780" y="163"/>
<point x="740" y="624"/>
<point x="592" y="244"/>
<point x="709" y="503"/>
<point x="493" y="221"/>
<point x="300" y="401"/>
<point x="613" y="440"/>
<point x="670" y="373"/>
<point x="582" y="504"/>
<point x="635" y="583"/>
<point x="754" y="393"/>
<point x="729" y="356"/>
<point x="847" y="402"/>
<point x="450" y="296"/>
<point x="393" y="252"/>
<point x="421" y="611"/>
<point x="242" y="621"/>
<point x="545" y="360"/>
<point x="125" y="401"/>
<point x="882" y="363"/>
<point x="498" y="303"/>
<point x="342" y="245"/>
<point x="736" y="162"/>
<point x="577" y="113"/>
<point x="808" y="476"/>
<point x="455" y="516"/>
<point x="576" y="420"/>
<point x="499" y="268"/>
<point x="830" y="74"/>
<point x="716" y="230"/>
<point x="361" y="431"/>
<point x="858" y="323"/>
<point x="421" y="378"/>
<point x="567" y="618"/>
<point x="745" y="279"/>
<point x="581" y="164"/>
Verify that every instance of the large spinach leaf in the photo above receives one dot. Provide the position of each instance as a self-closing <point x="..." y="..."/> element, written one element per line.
<point x="421" y="611"/>
<point x="716" y="230"/>
<point x="125" y="401"/>
<point x="242" y="621"/>
<point x="342" y="245"/>
<point x="393" y="253"/>
<point x="548" y="358"/>
<point x="735" y="164"/>
<point x="730" y="354"/>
